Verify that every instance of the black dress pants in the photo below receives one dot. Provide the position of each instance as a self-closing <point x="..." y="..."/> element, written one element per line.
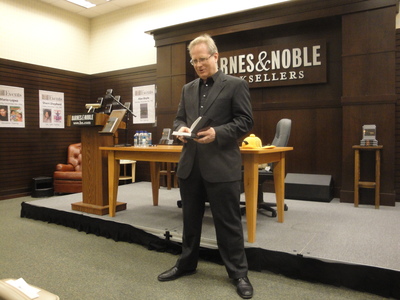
<point x="224" y="199"/>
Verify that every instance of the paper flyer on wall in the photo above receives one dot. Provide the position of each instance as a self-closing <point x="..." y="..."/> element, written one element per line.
<point x="12" y="106"/>
<point x="144" y="107"/>
<point x="51" y="109"/>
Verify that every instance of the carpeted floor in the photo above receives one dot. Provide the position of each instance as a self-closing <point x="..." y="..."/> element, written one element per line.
<point x="332" y="242"/>
<point x="335" y="232"/>
<point x="76" y="266"/>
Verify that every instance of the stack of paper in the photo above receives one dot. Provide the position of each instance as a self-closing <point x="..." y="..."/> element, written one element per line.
<point x="28" y="290"/>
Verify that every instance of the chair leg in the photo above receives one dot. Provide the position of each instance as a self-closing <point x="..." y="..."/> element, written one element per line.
<point x="176" y="184"/>
<point x="168" y="176"/>
<point x="262" y="205"/>
<point x="270" y="207"/>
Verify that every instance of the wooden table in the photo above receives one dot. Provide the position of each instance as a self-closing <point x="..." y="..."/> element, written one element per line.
<point x="168" y="153"/>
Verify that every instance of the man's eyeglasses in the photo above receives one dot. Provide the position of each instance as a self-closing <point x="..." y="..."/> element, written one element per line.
<point x="199" y="61"/>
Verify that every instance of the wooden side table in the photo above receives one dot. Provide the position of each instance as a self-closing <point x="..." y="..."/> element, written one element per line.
<point x="367" y="184"/>
<point x="125" y="175"/>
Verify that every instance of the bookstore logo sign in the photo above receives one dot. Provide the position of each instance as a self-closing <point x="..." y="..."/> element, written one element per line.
<point x="86" y="119"/>
<point x="278" y="65"/>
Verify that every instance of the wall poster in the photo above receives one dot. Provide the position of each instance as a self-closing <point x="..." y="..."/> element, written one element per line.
<point x="51" y="109"/>
<point x="12" y="107"/>
<point x="144" y="104"/>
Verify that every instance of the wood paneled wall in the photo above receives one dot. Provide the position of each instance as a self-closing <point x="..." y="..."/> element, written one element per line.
<point x="327" y="118"/>
<point x="31" y="152"/>
<point x="397" y="127"/>
<point x="369" y="97"/>
<point x="122" y="82"/>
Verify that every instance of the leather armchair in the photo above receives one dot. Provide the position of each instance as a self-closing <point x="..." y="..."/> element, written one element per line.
<point x="68" y="177"/>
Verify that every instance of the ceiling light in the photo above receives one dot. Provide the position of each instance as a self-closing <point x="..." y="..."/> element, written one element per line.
<point x="84" y="3"/>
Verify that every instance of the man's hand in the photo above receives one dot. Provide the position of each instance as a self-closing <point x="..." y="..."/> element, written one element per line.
<point x="206" y="136"/>
<point x="182" y="138"/>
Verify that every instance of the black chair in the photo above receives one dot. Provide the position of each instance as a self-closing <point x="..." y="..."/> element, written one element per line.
<point x="281" y="139"/>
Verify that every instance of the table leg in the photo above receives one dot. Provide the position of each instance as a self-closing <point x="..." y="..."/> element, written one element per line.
<point x="113" y="174"/>
<point x="377" y="177"/>
<point x="155" y="180"/>
<point x="356" y="176"/>
<point x="279" y="183"/>
<point x="250" y="181"/>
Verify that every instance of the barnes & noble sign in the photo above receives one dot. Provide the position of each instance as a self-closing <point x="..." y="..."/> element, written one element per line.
<point x="278" y="65"/>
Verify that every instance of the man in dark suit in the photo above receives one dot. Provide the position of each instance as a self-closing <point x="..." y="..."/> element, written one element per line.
<point x="210" y="165"/>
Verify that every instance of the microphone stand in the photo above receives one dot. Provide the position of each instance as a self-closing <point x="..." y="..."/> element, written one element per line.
<point x="127" y="118"/>
<point x="123" y="105"/>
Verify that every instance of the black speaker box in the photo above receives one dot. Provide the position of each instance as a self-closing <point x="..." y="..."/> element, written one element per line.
<point x="309" y="187"/>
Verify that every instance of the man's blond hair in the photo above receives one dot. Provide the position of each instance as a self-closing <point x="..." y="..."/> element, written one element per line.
<point x="204" y="39"/>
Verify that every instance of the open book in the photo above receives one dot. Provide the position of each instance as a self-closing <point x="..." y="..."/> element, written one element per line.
<point x="113" y="121"/>
<point x="200" y="123"/>
<point x="109" y="126"/>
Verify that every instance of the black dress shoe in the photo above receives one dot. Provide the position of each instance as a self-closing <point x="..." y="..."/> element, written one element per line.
<point x="244" y="288"/>
<point x="174" y="273"/>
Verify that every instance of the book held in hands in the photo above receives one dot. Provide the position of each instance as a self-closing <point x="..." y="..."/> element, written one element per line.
<point x="200" y="123"/>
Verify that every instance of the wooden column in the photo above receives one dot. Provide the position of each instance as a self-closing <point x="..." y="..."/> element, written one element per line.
<point x="173" y="72"/>
<point x="368" y="52"/>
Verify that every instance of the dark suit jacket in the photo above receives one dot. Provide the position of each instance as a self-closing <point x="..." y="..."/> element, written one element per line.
<point x="229" y="107"/>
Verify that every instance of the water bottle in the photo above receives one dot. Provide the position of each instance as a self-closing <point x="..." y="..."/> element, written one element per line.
<point x="149" y="140"/>
<point x="140" y="136"/>
<point x="135" y="139"/>
<point x="144" y="139"/>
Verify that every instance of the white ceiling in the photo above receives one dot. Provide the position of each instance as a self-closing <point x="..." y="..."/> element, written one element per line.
<point x="102" y="6"/>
